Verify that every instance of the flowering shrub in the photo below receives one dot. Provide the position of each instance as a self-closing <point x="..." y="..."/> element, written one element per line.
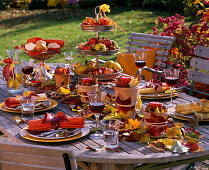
<point x="187" y="38"/>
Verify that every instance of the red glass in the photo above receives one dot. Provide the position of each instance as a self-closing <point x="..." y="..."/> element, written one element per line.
<point x="171" y="81"/>
<point x="140" y="64"/>
<point x="27" y="69"/>
<point x="96" y="107"/>
<point x="156" y="130"/>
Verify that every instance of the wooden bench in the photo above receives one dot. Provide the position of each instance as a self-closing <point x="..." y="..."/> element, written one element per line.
<point x="16" y="156"/>
<point x="140" y="42"/>
<point x="200" y="69"/>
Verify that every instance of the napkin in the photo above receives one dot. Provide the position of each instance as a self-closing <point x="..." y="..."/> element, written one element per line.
<point x="126" y="60"/>
<point x="188" y="108"/>
<point x="152" y="90"/>
<point x="73" y="122"/>
<point x="12" y="102"/>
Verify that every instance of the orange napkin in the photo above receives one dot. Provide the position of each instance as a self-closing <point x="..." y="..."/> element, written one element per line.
<point x="126" y="60"/>
<point x="12" y="102"/>
<point x="73" y="122"/>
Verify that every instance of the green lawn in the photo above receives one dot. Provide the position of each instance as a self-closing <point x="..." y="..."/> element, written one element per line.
<point x="17" y="26"/>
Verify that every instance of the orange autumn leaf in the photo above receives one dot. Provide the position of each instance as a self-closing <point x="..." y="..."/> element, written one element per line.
<point x="135" y="124"/>
<point x="173" y="132"/>
<point x="197" y="1"/>
<point x="179" y="125"/>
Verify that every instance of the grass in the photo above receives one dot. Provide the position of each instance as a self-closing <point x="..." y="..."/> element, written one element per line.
<point x="17" y="26"/>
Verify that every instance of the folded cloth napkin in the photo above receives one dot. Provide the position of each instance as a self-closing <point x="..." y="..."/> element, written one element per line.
<point x="152" y="90"/>
<point x="126" y="60"/>
<point x="188" y="108"/>
<point x="12" y="102"/>
<point x="73" y="122"/>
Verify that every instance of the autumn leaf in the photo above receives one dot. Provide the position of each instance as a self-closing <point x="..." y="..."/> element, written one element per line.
<point x="18" y="77"/>
<point x="167" y="142"/>
<point x="173" y="132"/>
<point x="135" y="124"/>
<point x="16" y="84"/>
<point x="159" y="146"/>
<point x="10" y="82"/>
<point x="145" y="138"/>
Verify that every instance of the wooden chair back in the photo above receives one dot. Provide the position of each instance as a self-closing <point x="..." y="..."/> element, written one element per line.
<point x="24" y="156"/>
<point x="200" y="69"/>
<point x="141" y="41"/>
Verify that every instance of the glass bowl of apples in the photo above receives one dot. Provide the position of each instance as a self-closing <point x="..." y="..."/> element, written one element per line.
<point x="156" y="118"/>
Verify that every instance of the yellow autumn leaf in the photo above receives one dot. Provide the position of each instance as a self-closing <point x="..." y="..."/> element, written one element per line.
<point x="178" y="125"/>
<point x="10" y="82"/>
<point x="105" y="8"/>
<point x="26" y="93"/>
<point x="169" y="91"/>
<point x="16" y="84"/>
<point x="18" y="77"/>
<point x="138" y="105"/>
<point x="145" y="138"/>
<point x="135" y="124"/>
<point x="197" y="1"/>
<point x="167" y="142"/>
<point x="173" y="132"/>
<point x="64" y="90"/>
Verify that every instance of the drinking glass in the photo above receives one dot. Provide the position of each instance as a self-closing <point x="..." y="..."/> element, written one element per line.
<point x="171" y="79"/>
<point x="27" y="68"/>
<point x="14" y="54"/>
<point x="140" y="61"/>
<point x="110" y="133"/>
<point x="96" y="105"/>
<point x="27" y="107"/>
<point x="69" y="57"/>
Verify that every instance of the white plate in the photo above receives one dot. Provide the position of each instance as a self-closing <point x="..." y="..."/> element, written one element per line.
<point x="74" y="131"/>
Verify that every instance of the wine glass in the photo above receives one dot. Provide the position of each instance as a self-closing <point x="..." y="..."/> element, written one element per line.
<point x="27" y="68"/>
<point x="171" y="79"/>
<point x="96" y="105"/>
<point x="69" y="57"/>
<point x="140" y="61"/>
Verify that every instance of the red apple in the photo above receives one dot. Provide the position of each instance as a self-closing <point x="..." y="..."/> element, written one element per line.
<point x="84" y="23"/>
<point x="96" y="23"/>
<point x="93" y="41"/>
<point x="112" y="48"/>
<point x="125" y="79"/>
<point x="81" y="45"/>
<point x="103" y="69"/>
<point x="108" y="71"/>
<point x="96" y="71"/>
<point x="154" y="105"/>
<point x="107" y="42"/>
<point x="86" y="47"/>
<point x="86" y="81"/>
<point x="90" y="20"/>
<point x="103" y="21"/>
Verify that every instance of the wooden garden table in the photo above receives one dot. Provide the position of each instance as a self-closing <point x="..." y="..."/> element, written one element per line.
<point x="132" y="153"/>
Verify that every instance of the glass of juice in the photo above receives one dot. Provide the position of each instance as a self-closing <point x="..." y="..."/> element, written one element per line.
<point x="140" y="61"/>
<point x="96" y="105"/>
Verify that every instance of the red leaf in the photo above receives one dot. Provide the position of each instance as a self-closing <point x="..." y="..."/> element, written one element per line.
<point x="55" y="121"/>
<point x="8" y="61"/>
<point x="159" y="146"/>
<point x="191" y="145"/>
<point x="47" y="117"/>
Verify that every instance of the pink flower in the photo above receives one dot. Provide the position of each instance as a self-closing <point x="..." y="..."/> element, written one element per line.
<point x="169" y="33"/>
<point x="169" y="19"/>
<point x="177" y="15"/>
<point x="182" y="17"/>
<point x="155" y="32"/>
<point x="162" y="34"/>
<point x="164" y="20"/>
<point x="173" y="17"/>
<point x="160" y="19"/>
<point x="194" y="28"/>
<point x="154" y="29"/>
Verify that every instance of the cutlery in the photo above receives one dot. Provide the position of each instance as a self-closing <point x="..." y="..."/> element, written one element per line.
<point x="51" y="133"/>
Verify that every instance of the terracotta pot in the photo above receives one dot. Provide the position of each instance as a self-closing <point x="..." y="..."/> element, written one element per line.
<point x="126" y="93"/>
<point x="62" y="80"/>
<point x="83" y="90"/>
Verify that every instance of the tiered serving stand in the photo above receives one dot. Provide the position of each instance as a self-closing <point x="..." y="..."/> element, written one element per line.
<point x="98" y="29"/>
